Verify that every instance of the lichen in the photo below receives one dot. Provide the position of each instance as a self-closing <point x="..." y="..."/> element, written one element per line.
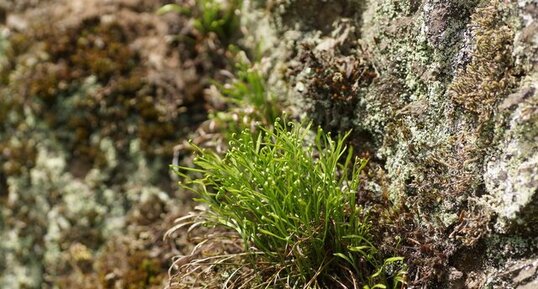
<point x="511" y="176"/>
<point x="92" y="103"/>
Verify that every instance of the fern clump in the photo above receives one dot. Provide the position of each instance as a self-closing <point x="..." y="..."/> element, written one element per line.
<point x="291" y="197"/>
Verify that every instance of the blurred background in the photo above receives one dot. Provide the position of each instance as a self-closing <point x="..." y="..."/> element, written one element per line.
<point x="94" y="96"/>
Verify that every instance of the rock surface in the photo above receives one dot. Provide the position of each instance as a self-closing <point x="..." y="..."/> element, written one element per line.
<point x="442" y="96"/>
<point x="94" y="96"/>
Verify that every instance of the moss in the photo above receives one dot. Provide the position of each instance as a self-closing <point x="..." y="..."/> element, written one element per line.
<point x="17" y="156"/>
<point x="99" y="50"/>
<point x="99" y="84"/>
<point x="91" y="106"/>
<point x="480" y="85"/>
<point x="147" y="272"/>
<point x="333" y="87"/>
<point x="93" y="48"/>
<point x="141" y="271"/>
<point x="122" y="263"/>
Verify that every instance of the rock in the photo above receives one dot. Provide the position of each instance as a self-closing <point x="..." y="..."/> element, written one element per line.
<point x="442" y="96"/>
<point x="521" y="274"/>
<point x="511" y="175"/>
<point x="456" y="279"/>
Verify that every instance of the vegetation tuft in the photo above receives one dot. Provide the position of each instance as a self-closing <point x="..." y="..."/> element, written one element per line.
<point x="210" y="16"/>
<point x="249" y="104"/>
<point x="293" y="203"/>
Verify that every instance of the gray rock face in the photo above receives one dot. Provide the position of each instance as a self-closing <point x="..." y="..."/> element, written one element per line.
<point x="511" y="177"/>
<point x="511" y="172"/>
<point x="442" y="95"/>
<point x="520" y="274"/>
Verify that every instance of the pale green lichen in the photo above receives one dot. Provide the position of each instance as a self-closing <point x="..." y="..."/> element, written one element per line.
<point x="92" y="103"/>
<point x="511" y="176"/>
<point x="68" y="209"/>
